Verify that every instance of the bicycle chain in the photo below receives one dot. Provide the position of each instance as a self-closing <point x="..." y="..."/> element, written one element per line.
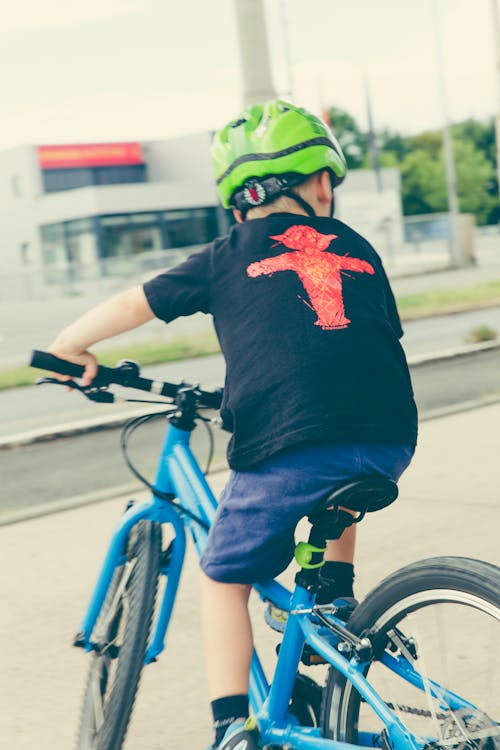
<point x="416" y="711"/>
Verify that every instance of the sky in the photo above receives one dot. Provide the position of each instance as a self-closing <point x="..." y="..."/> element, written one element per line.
<point x="111" y="70"/>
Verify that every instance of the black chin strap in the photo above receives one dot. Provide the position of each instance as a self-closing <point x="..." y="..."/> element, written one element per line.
<point x="298" y="199"/>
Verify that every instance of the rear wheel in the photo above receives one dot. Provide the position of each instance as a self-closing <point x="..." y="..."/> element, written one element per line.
<point x="442" y="617"/>
<point x="120" y="639"/>
<point x="305" y="703"/>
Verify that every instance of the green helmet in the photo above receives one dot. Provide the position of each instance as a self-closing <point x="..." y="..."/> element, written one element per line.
<point x="272" y="140"/>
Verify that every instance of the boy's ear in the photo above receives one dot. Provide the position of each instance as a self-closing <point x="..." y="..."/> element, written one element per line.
<point x="324" y="186"/>
<point x="237" y="215"/>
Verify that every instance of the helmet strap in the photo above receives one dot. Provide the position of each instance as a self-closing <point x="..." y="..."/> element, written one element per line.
<point x="302" y="203"/>
<point x="332" y="206"/>
<point x="260" y="191"/>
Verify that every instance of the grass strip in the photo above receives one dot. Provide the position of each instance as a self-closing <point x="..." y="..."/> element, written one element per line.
<point x="411" y="307"/>
<point x="146" y="353"/>
<point x="444" y="301"/>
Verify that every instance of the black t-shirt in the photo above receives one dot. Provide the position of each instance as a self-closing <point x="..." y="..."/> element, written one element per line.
<point x="309" y="329"/>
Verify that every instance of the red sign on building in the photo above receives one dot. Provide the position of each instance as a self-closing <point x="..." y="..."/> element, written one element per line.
<point x="89" y="155"/>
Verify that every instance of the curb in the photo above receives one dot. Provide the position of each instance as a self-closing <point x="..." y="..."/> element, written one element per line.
<point x="451" y="354"/>
<point x="79" y="501"/>
<point x="95" y="424"/>
<point x="78" y="427"/>
<point x="114" y="493"/>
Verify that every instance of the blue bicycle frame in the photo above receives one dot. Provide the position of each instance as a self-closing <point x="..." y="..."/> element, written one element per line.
<point x="179" y="473"/>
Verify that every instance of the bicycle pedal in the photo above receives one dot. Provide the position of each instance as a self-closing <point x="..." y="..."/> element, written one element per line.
<point x="79" y="640"/>
<point x="311" y="658"/>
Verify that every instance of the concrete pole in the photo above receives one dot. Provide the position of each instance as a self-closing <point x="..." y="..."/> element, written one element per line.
<point x="254" y="53"/>
<point x="496" y="35"/>
<point x="286" y="46"/>
<point x="372" y="144"/>
<point x="449" y="162"/>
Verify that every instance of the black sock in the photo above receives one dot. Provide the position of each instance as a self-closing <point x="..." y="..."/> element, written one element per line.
<point x="338" y="580"/>
<point x="225" y="711"/>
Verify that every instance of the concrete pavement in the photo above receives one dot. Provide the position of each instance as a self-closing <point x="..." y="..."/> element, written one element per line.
<point x="449" y="504"/>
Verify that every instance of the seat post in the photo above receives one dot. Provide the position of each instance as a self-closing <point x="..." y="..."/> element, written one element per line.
<point x="328" y="525"/>
<point x="329" y="521"/>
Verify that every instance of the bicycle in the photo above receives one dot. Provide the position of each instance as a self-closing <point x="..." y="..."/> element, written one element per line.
<point x="392" y="683"/>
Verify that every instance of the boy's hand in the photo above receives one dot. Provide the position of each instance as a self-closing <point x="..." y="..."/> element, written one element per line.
<point x="86" y="359"/>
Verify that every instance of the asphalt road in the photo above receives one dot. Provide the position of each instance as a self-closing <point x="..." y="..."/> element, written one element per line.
<point x="92" y="463"/>
<point x="25" y="408"/>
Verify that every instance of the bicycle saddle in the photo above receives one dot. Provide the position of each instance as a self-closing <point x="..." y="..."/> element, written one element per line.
<point x="363" y="496"/>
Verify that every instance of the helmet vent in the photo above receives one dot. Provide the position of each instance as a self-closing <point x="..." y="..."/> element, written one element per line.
<point x="237" y="123"/>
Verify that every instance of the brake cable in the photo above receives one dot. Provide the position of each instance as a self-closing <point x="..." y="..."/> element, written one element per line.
<point x="103" y="395"/>
<point x="211" y="442"/>
<point x="127" y="431"/>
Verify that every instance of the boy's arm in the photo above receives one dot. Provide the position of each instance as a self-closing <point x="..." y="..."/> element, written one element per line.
<point x="116" y="315"/>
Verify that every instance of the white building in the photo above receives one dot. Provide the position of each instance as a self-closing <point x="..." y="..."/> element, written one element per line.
<point x="74" y="213"/>
<point x="87" y="210"/>
<point x="377" y="215"/>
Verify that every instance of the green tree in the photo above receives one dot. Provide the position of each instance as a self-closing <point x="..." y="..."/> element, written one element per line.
<point x="424" y="183"/>
<point x="420" y="159"/>
<point x="475" y="178"/>
<point x="393" y="147"/>
<point x="482" y="135"/>
<point x="353" y="141"/>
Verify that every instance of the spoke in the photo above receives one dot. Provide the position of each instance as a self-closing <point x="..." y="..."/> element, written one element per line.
<point x="97" y="696"/>
<point x="494" y="662"/>
<point x="423" y="674"/>
<point x="124" y="579"/>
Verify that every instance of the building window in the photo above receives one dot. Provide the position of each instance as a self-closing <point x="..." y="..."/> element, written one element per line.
<point x="191" y="226"/>
<point x="130" y="234"/>
<point x="121" y="243"/>
<point x="56" y="180"/>
<point x="69" y="250"/>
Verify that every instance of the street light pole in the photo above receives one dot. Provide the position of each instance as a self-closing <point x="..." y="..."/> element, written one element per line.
<point x="254" y="52"/>
<point x="496" y="35"/>
<point x="372" y="144"/>
<point x="449" y="162"/>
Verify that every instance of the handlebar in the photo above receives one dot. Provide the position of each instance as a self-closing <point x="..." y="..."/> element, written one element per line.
<point x="126" y="374"/>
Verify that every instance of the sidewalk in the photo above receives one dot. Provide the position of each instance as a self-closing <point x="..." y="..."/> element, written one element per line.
<point x="449" y="504"/>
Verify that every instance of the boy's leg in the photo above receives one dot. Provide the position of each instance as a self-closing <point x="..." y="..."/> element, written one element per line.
<point x="338" y="570"/>
<point x="342" y="550"/>
<point x="228" y="646"/>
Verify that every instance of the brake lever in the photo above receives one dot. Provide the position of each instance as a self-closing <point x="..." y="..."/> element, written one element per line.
<point x="93" y="393"/>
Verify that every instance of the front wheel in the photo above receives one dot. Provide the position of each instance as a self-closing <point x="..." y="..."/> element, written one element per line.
<point x="441" y="618"/>
<point x="120" y="639"/>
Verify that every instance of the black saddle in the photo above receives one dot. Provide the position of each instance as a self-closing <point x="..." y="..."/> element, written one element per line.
<point x="364" y="496"/>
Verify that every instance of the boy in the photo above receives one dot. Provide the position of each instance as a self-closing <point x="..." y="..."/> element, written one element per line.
<point x="317" y="389"/>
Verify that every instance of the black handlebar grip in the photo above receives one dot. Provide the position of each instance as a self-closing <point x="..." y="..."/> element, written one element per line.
<point x="118" y="375"/>
<point x="212" y="399"/>
<point x="46" y="361"/>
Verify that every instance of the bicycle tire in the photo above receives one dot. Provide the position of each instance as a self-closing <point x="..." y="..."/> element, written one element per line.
<point x="305" y="703"/>
<point x="121" y="636"/>
<point x="400" y="600"/>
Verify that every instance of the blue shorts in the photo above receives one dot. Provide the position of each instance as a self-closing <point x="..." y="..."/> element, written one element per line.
<point x="252" y="537"/>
